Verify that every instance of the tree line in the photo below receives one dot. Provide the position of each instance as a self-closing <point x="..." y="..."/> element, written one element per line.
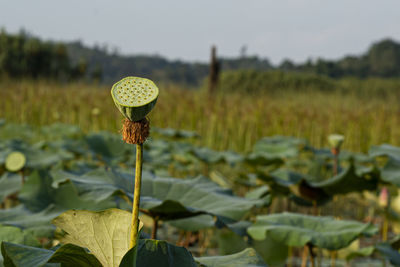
<point x="22" y="55"/>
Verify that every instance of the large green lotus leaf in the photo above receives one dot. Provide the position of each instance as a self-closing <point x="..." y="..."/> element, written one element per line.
<point x="385" y="150"/>
<point x="297" y="230"/>
<point x="10" y="183"/>
<point x="108" y="147"/>
<point x="284" y="181"/>
<point x="158" y="253"/>
<point x="194" y="223"/>
<point x="247" y="257"/>
<point x="280" y="146"/>
<point x="37" y="193"/>
<point x="362" y="252"/>
<point x="78" y="147"/>
<point x="390" y="173"/>
<point x="196" y="195"/>
<point x="99" y="184"/>
<point x="389" y="253"/>
<point x="263" y="159"/>
<point x="67" y="255"/>
<point x="212" y="157"/>
<point x="283" y="177"/>
<point x="157" y="153"/>
<point x="57" y="131"/>
<point x="36" y="156"/>
<point x="105" y="233"/>
<point x="229" y="242"/>
<point x="350" y="180"/>
<point x="37" y="223"/>
<point x="262" y="192"/>
<point x="16" y="235"/>
<point x="174" y="133"/>
<point x="273" y="253"/>
<point x="168" y="198"/>
<point x="44" y="159"/>
<point x="16" y="131"/>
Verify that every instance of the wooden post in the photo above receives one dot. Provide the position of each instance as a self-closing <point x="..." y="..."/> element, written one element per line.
<point x="214" y="71"/>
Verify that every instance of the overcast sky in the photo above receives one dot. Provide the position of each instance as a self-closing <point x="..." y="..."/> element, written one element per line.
<point x="185" y="29"/>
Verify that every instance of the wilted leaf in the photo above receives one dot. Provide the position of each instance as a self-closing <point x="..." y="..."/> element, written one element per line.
<point x="106" y="233"/>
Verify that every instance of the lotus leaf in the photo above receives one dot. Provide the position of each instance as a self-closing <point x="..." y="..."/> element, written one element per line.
<point x="298" y="230"/>
<point x="104" y="233"/>
<point x="158" y="253"/>
<point x="247" y="257"/>
<point x="66" y="255"/>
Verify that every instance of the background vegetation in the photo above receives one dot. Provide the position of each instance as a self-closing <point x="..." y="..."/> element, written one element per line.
<point x="365" y="111"/>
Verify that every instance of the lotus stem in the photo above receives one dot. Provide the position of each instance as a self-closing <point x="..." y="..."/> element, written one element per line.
<point x="136" y="196"/>
<point x="333" y="258"/>
<point x="312" y="256"/>
<point x="335" y="153"/>
<point x="135" y="97"/>
<point x="155" y="228"/>
<point x="315" y="208"/>
<point x="304" y="257"/>
<point x="290" y="256"/>
<point x="22" y="177"/>
<point x="319" y="257"/>
<point x="385" y="228"/>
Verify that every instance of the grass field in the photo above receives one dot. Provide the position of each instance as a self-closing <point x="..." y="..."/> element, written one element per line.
<point x="225" y="121"/>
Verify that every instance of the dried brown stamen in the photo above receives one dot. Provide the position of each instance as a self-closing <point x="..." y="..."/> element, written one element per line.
<point x="135" y="132"/>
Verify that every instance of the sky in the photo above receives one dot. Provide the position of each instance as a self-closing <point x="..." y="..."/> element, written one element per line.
<point x="186" y="29"/>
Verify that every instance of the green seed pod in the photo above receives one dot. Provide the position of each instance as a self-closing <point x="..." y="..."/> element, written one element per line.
<point x="135" y="97"/>
<point x="336" y="140"/>
<point x="15" y="161"/>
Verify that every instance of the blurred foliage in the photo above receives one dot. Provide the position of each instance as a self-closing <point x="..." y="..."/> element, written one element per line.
<point x="366" y="112"/>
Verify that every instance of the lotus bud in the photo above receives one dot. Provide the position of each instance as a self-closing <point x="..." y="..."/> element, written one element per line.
<point x="335" y="141"/>
<point x="384" y="198"/>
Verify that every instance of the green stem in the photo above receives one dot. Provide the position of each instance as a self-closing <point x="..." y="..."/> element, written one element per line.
<point x="312" y="256"/>
<point x="155" y="228"/>
<point x="333" y="258"/>
<point x="385" y="228"/>
<point x="336" y="164"/>
<point x="290" y="256"/>
<point x="304" y="257"/>
<point x="136" y="197"/>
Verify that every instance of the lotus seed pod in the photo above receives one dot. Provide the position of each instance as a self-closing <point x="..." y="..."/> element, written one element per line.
<point x="335" y="140"/>
<point x="15" y="161"/>
<point x="135" y="97"/>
